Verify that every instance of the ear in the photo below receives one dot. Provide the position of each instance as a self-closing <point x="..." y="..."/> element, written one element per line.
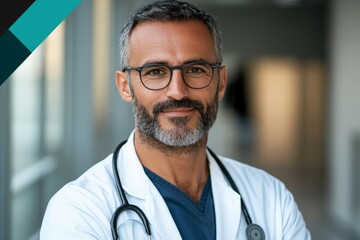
<point x="122" y="83"/>
<point x="222" y="82"/>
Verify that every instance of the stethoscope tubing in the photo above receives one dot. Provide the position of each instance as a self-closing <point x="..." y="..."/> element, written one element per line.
<point x="125" y="206"/>
<point x="253" y="231"/>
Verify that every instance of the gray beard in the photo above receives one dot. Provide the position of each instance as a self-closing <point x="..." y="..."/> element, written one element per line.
<point x="180" y="136"/>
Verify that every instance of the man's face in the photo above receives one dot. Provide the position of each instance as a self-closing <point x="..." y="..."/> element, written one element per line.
<point x="181" y="135"/>
<point x="176" y="115"/>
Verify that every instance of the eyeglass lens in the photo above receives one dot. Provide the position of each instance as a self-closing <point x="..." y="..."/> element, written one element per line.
<point x="195" y="75"/>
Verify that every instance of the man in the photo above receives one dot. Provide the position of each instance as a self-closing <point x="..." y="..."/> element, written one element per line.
<point x="172" y="74"/>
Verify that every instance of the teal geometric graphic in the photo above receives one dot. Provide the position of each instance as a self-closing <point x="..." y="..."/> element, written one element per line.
<point x="40" y="19"/>
<point x="31" y="29"/>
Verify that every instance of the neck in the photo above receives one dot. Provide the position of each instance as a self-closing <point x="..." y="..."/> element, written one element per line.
<point x="184" y="167"/>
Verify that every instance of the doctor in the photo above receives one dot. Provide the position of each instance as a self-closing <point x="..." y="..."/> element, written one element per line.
<point x="172" y="73"/>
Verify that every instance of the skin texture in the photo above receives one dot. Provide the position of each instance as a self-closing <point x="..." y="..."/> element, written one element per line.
<point x="172" y="43"/>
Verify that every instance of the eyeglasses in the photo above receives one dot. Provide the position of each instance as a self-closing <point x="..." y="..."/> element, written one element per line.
<point x="155" y="76"/>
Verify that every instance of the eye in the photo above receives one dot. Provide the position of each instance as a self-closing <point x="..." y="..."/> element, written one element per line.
<point x="195" y="69"/>
<point x="154" y="71"/>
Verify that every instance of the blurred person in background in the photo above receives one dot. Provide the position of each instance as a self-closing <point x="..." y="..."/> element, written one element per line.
<point x="164" y="183"/>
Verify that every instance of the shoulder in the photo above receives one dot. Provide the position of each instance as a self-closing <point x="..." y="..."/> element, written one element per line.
<point x="252" y="180"/>
<point x="95" y="184"/>
<point x="247" y="174"/>
<point x="85" y="203"/>
<point x="268" y="200"/>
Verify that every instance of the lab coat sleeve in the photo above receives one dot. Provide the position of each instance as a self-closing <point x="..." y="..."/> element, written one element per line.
<point x="73" y="214"/>
<point x="294" y="227"/>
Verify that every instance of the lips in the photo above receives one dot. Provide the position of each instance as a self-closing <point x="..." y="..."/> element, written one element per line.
<point x="178" y="112"/>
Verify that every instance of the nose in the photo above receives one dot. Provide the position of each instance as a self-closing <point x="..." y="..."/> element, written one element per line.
<point x="177" y="88"/>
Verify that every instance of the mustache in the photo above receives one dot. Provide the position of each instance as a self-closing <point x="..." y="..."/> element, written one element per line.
<point x="172" y="103"/>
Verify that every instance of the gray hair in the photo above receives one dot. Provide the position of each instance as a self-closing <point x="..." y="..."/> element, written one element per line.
<point x="167" y="10"/>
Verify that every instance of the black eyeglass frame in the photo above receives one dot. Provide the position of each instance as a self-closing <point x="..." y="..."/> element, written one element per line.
<point x="172" y="68"/>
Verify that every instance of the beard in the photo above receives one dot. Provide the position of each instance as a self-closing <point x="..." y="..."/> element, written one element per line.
<point x="180" y="135"/>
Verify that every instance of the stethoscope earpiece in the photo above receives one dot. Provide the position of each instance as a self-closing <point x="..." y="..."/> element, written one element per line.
<point x="255" y="232"/>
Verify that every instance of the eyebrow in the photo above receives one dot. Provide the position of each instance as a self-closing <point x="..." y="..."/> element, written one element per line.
<point x="167" y="63"/>
<point x="196" y="60"/>
<point x="154" y="62"/>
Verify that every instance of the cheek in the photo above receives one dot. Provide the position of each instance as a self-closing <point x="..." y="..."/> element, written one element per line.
<point x="146" y="98"/>
<point x="211" y="93"/>
<point x="137" y="86"/>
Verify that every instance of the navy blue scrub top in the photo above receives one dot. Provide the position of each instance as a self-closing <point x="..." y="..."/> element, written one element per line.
<point x="194" y="221"/>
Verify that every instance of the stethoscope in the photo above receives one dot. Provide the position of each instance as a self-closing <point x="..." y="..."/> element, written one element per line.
<point x="253" y="231"/>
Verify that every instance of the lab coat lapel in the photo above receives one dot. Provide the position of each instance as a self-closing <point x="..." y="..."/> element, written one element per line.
<point x="138" y="185"/>
<point x="131" y="171"/>
<point x="226" y="202"/>
<point x="159" y="214"/>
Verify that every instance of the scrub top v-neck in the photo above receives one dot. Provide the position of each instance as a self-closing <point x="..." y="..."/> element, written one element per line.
<point x="193" y="220"/>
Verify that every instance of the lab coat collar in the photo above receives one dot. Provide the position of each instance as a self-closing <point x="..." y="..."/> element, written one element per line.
<point x="226" y="202"/>
<point x="136" y="183"/>
<point x="131" y="172"/>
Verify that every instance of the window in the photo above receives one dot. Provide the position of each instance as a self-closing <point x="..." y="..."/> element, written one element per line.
<point x="36" y="122"/>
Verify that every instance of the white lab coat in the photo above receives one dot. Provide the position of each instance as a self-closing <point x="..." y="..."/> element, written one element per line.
<point x="82" y="209"/>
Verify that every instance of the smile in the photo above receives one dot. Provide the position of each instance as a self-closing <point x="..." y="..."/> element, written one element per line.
<point x="178" y="112"/>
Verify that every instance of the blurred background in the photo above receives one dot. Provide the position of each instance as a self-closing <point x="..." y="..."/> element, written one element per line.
<point x="291" y="107"/>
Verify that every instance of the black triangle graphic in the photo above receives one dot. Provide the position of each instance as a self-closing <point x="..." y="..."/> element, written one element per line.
<point x="10" y="11"/>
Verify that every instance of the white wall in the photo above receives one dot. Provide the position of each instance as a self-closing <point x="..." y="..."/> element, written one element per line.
<point x="344" y="111"/>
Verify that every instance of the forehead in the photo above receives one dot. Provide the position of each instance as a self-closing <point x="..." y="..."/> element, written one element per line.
<point x="173" y="41"/>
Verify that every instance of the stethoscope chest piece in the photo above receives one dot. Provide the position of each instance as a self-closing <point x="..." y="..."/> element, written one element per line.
<point x="255" y="232"/>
